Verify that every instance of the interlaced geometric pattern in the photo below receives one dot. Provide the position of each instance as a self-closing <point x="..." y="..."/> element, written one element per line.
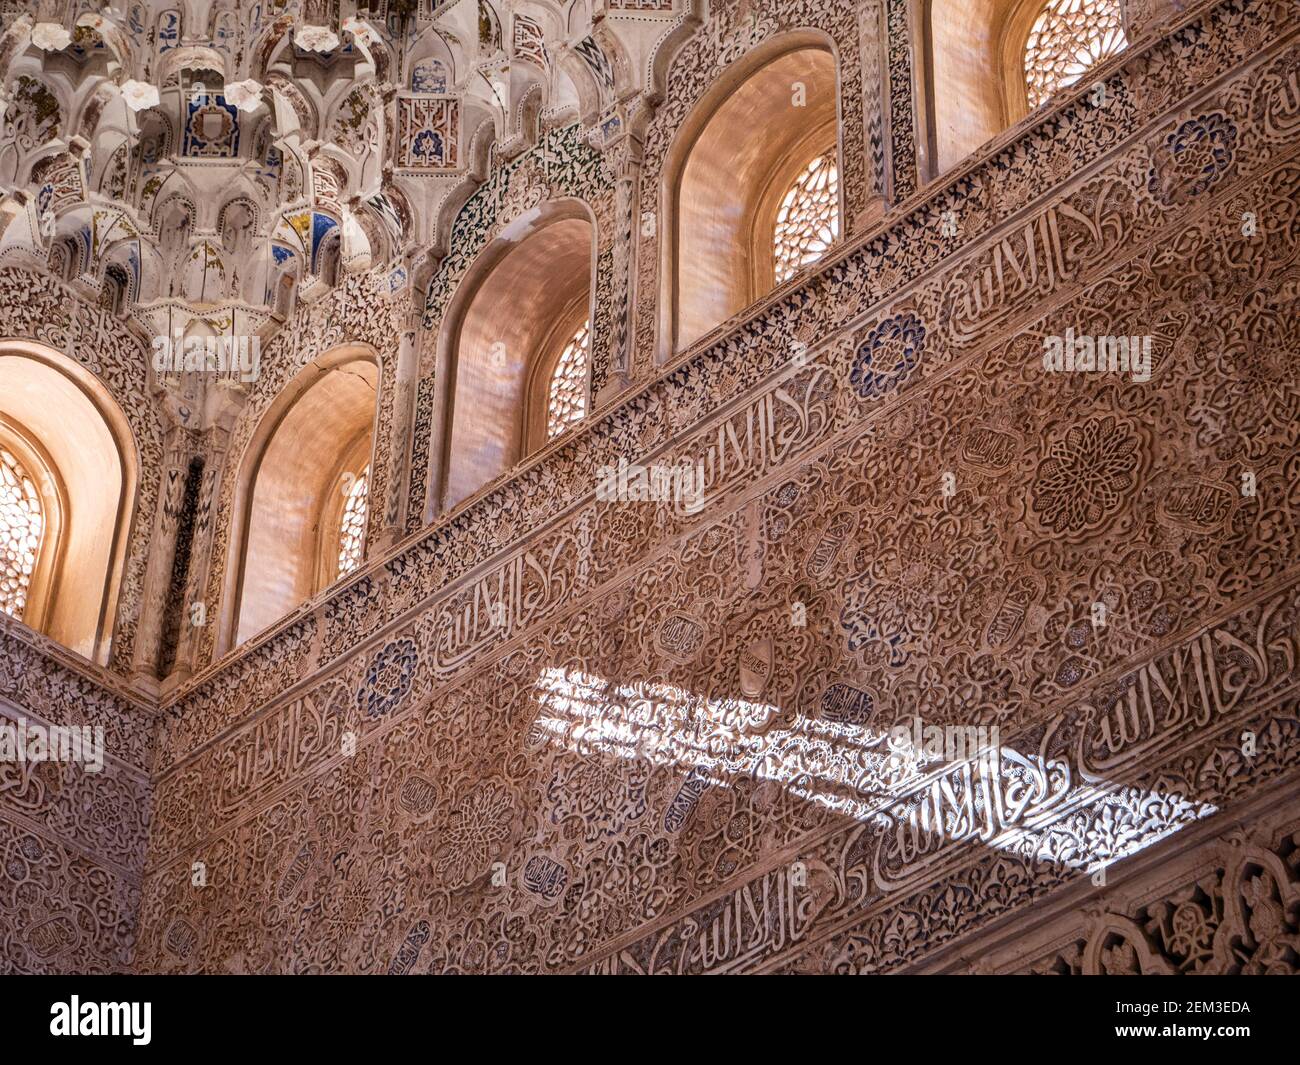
<point x="353" y="527"/>
<point x="1068" y="37"/>
<point x="809" y="219"/>
<point x="21" y="525"/>
<point x="567" y="401"/>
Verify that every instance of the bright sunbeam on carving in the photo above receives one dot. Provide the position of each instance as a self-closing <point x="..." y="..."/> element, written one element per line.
<point x="923" y="804"/>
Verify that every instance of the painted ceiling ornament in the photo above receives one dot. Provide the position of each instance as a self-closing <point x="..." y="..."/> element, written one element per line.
<point x="402" y="9"/>
<point x="245" y="95"/>
<point x="360" y="29"/>
<point x="139" y="95"/>
<point x="320" y="39"/>
<point x="89" y="20"/>
<point x="363" y="33"/>
<point x="489" y="28"/>
<point x="50" y="36"/>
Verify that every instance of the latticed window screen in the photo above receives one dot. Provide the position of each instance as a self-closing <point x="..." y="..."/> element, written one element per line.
<point x="21" y="526"/>
<point x="566" y="401"/>
<point x="1068" y="37"/>
<point x="809" y="219"/>
<point x="352" y="530"/>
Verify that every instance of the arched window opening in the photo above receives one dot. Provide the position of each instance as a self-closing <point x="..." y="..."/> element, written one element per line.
<point x="22" y="526"/>
<point x="989" y="63"/>
<point x="515" y="344"/>
<point x="68" y="472"/>
<point x="808" y="221"/>
<point x="305" y="508"/>
<point x="566" y="403"/>
<point x="352" y="527"/>
<point x="1067" y="38"/>
<point x="751" y="191"/>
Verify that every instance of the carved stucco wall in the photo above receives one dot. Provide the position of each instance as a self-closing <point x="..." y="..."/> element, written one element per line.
<point x="644" y="762"/>
<point x="72" y="843"/>
<point x="1225" y="901"/>
<point x="649" y="766"/>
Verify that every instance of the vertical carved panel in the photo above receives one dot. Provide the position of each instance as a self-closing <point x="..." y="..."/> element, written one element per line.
<point x="175" y="608"/>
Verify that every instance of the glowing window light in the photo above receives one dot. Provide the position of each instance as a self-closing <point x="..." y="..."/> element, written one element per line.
<point x="1069" y="37"/>
<point x="21" y="526"/>
<point x="808" y="221"/>
<point x="567" y="399"/>
<point x="352" y="528"/>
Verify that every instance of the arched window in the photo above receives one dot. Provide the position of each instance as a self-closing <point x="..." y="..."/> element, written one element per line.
<point x="808" y="220"/>
<point x="352" y="527"/>
<point x="304" y="504"/>
<point x="1067" y="38"/>
<point x="566" y="401"/>
<point x="22" y="526"/>
<point x="987" y="64"/>
<point x="751" y="190"/>
<point x="515" y="341"/>
<point x="67" y="489"/>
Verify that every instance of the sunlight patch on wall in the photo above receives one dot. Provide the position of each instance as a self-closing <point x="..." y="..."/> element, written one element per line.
<point x="922" y="804"/>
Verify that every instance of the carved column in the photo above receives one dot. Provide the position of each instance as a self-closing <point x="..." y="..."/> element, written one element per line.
<point x="431" y="408"/>
<point x="191" y="614"/>
<point x="900" y="35"/>
<point x="399" y="477"/>
<point x="611" y="372"/>
<point x="181" y="444"/>
<point x="873" y="42"/>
